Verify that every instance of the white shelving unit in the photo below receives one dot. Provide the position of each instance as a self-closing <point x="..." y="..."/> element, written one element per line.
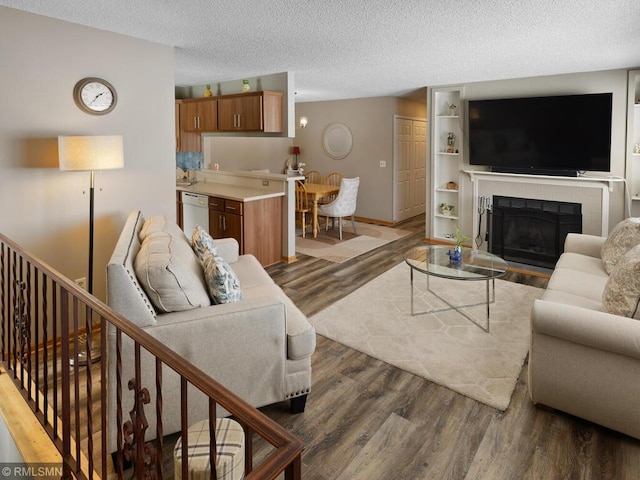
<point x="446" y="152"/>
<point x="633" y="139"/>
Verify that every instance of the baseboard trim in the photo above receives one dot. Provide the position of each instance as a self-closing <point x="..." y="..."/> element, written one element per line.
<point x="382" y="223"/>
<point x="289" y="259"/>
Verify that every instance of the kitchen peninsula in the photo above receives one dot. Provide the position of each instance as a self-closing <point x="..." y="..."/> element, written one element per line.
<point x="257" y="208"/>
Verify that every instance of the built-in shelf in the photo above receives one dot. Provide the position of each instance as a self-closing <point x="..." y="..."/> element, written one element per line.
<point x="446" y="150"/>
<point x="632" y="172"/>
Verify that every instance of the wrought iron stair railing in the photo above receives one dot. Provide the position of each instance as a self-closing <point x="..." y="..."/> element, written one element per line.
<point x="44" y="317"/>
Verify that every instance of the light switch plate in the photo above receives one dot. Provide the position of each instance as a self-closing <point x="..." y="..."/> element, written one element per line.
<point x="383" y="164"/>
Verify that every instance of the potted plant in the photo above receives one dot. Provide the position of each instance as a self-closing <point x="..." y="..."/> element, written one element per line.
<point x="446" y="208"/>
<point x="456" y="255"/>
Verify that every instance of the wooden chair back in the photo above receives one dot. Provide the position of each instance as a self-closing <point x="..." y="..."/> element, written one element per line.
<point x="302" y="205"/>
<point x="334" y="179"/>
<point x="302" y="200"/>
<point x="314" y="176"/>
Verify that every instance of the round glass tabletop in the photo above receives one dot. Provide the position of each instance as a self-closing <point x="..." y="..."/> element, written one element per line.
<point x="475" y="264"/>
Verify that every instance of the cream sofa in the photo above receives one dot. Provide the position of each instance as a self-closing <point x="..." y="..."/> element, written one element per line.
<point x="259" y="347"/>
<point x="583" y="359"/>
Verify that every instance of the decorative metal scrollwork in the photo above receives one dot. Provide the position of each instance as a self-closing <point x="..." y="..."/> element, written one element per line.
<point x="134" y="431"/>
<point x="21" y="323"/>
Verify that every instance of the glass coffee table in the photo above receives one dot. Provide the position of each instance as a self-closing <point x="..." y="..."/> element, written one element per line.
<point x="432" y="260"/>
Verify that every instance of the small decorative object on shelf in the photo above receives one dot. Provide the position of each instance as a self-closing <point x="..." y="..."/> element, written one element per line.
<point x="451" y="138"/>
<point x="452" y="186"/>
<point x="446" y="208"/>
<point x="637" y="149"/>
<point x="207" y="91"/>
<point x="245" y="86"/>
<point x="452" y="109"/>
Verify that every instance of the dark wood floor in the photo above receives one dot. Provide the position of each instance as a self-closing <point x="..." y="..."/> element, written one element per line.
<point x="368" y="420"/>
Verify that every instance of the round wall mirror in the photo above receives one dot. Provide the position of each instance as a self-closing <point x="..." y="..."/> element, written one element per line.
<point x="337" y="140"/>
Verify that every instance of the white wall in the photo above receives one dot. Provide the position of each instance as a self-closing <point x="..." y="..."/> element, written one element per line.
<point x="614" y="81"/>
<point x="46" y="210"/>
<point x="371" y="124"/>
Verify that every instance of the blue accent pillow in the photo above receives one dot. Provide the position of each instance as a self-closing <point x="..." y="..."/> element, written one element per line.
<point x="202" y="242"/>
<point x="221" y="280"/>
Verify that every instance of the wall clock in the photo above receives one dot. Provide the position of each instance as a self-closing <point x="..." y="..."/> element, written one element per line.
<point x="95" y="96"/>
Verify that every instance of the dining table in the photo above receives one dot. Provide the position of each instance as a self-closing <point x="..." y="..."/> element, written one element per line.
<point x="316" y="191"/>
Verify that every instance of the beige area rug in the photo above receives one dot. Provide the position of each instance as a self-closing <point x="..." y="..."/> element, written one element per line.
<point x="328" y="246"/>
<point x="445" y="348"/>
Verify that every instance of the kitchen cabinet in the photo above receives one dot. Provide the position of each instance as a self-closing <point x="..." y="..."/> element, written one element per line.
<point x="256" y="225"/>
<point x="250" y="112"/>
<point x="199" y="115"/>
<point x="179" y="208"/>
<point x="186" y="141"/>
<point x="225" y="219"/>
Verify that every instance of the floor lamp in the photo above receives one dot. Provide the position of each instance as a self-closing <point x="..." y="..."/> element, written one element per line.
<point x="90" y="153"/>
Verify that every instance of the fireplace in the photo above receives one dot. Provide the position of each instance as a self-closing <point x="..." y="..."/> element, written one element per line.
<point x="532" y="231"/>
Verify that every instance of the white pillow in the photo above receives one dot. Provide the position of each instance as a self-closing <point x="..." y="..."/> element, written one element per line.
<point x="170" y="273"/>
<point x="223" y="283"/>
<point x="621" y="294"/>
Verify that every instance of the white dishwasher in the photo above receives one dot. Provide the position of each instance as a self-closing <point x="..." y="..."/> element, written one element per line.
<point x="195" y="211"/>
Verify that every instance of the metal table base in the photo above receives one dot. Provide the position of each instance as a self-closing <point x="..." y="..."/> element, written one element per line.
<point x="489" y="300"/>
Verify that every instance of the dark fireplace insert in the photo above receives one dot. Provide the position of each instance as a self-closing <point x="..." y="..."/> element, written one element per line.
<point x="531" y="231"/>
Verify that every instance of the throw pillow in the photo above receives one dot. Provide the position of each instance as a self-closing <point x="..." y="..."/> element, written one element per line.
<point x="202" y="242"/>
<point x="621" y="294"/>
<point x="222" y="281"/>
<point x="170" y="273"/>
<point x="622" y="238"/>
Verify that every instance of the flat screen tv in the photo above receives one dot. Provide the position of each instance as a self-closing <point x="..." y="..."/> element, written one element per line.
<point x="556" y="135"/>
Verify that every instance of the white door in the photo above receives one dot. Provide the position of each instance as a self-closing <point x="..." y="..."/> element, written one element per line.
<point x="410" y="156"/>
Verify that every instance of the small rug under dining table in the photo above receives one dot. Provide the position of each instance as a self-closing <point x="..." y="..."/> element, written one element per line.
<point x="327" y="244"/>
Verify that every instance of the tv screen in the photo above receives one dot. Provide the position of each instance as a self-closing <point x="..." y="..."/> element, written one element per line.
<point x="558" y="134"/>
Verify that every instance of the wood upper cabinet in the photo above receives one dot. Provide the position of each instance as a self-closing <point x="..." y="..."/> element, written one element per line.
<point x="250" y="112"/>
<point x="186" y="141"/>
<point x="199" y="115"/>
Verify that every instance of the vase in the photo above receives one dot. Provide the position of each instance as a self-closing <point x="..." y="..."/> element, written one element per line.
<point x="456" y="255"/>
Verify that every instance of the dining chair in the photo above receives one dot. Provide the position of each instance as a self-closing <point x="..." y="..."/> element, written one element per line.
<point x="314" y="176"/>
<point x="334" y="179"/>
<point x="344" y="205"/>
<point x="302" y="205"/>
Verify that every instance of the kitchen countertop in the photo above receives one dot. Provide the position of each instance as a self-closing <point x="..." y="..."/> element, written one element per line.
<point x="230" y="192"/>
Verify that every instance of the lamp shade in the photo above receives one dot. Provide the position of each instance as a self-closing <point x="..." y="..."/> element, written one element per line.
<point x="295" y="150"/>
<point x="90" y="152"/>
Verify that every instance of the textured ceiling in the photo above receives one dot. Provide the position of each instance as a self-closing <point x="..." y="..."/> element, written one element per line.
<point x="356" y="48"/>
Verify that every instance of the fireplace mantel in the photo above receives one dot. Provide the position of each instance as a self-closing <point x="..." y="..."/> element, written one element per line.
<point x="604" y="183"/>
